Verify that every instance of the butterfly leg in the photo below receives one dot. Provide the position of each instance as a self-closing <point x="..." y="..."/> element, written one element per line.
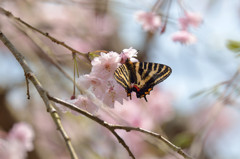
<point x="129" y="94"/>
<point x="145" y="98"/>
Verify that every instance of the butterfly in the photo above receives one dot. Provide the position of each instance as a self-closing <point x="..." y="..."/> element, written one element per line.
<point x="140" y="77"/>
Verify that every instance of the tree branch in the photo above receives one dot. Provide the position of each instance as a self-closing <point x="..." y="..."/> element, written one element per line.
<point x="112" y="127"/>
<point x="30" y="75"/>
<point x="160" y="137"/>
<point x="94" y="118"/>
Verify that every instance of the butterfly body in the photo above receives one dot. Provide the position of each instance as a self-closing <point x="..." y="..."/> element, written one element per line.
<point x="141" y="77"/>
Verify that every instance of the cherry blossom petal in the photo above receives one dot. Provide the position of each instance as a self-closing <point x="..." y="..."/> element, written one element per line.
<point x="195" y="19"/>
<point x="23" y="133"/>
<point x="82" y="102"/>
<point x="89" y="80"/>
<point x="17" y="142"/>
<point x="149" y="20"/>
<point x="190" y="19"/>
<point x="184" y="37"/>
<point x="115" y="92"/>
<point x="184" y="23"/>
<point x="105" y="65"/>
<point x="128" y="54"/>
<point x="86" y="104"/>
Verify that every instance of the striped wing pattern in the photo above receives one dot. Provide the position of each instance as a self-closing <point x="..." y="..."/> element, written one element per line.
<point x="122" y="76"/>
<point x="147" y="76"/>
<point x="141" y="77"/>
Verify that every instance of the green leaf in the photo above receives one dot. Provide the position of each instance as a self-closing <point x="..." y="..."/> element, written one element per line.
<point x="233" y="45"/>
<point x="93" y="54"/>
<point x="183" y="139"/>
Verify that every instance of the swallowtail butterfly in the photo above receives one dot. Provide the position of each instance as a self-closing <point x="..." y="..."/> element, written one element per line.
<point x="140" y="77"/>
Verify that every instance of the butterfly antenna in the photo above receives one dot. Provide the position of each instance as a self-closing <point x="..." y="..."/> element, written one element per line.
<point x="145" y="98"/>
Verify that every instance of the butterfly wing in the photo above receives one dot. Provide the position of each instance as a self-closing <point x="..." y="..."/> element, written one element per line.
<point x="122" y="76"/>
<point x="148" y="75"/>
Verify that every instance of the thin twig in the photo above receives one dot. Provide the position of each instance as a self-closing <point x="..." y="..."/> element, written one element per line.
<point x="157" y="5"/>
<point x="217" y="106"/>
<point x="121" y="141"/>
<point x="74" y="75"/>
<point x="156" y="135"/>
<point x="37" y="41"/>
<point x="9" y="14"/>
<point x="47" y="52"/>
<point x="112" y="127"/>
<point x="27" y="83"/>
<point x="30" y="75"/>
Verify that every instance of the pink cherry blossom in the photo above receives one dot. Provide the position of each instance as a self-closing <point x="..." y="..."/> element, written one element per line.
<point x="93" y="82"/>
<point x="86" y="104"/>
<point x="82" y="102"/>
<point x="115" y="92"/>
<point x="128" y="54"/>
<point x="104" y="85"/>
<point x="23" y="133"/>
<point x="184" y="37"/>
<point x="100" y="81"/>
<point x="149" y="20"/>
<point x="195" y="19"/>
<point x="184" y="23"/>
<point x="105" y="65"/>
<point x="190" y="19"/>
<point x="17" y="142"/>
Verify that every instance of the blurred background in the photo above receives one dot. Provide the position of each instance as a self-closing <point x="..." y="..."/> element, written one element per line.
<point x="196" y="108"/>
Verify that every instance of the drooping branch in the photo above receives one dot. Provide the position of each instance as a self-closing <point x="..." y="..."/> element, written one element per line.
<point x="153" y="134"/>
<point x="94" y="118"/>
<point x="112" y="127"/>
<point x="42" y="92"/>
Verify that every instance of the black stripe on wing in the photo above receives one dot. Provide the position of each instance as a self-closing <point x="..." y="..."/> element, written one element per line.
<point x="155" y="74"/>
<point x="147" y="70"/>
<point x="122" y="76"/>
<point x="148" y="75"/>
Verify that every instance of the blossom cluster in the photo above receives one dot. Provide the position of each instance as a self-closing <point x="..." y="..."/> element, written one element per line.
<point x="151" y="22"/>
<point x="184" y="36"/>
<point x="17" y="142"/>
<point x="100" y="81"/>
